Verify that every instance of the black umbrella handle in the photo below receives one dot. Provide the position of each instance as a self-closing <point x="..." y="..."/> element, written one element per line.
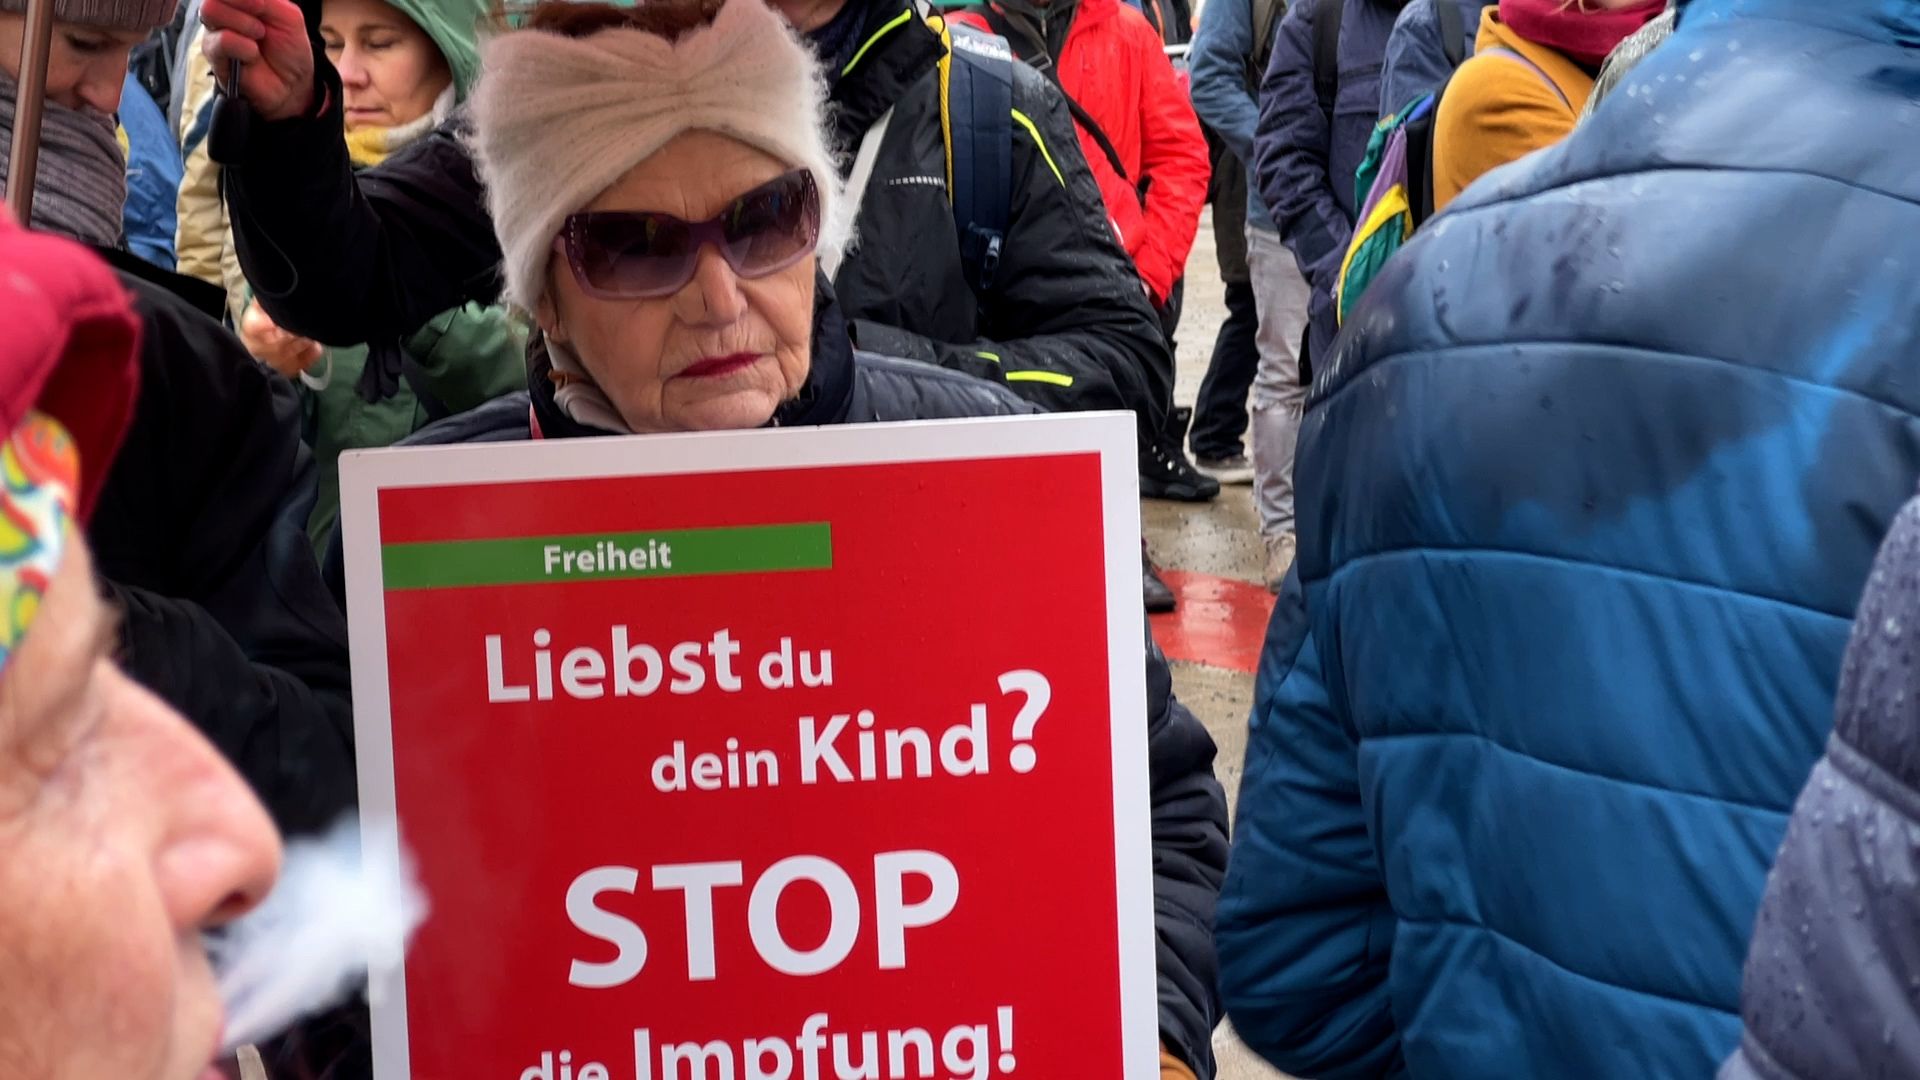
<point x="232" y="121"/>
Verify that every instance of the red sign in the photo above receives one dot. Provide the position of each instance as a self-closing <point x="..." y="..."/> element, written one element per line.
<point x="761" y="756"/>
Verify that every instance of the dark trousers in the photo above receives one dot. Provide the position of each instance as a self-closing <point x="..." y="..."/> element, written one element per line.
<point x="1169" y="313"/>
<point x="1220" y="413"/>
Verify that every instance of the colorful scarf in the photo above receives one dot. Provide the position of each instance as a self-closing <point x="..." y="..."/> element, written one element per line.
<point x="1580" y="30"/>
<point x="369" y="146"/>
<point x="39" y="476"/>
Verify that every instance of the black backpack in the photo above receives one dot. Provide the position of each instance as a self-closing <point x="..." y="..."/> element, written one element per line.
<point x="1453" y="37"/>
<point x="977" y="117"/>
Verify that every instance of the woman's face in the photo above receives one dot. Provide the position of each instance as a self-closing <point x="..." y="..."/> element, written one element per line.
<point x="724" y="351"/>
<point x="391" y="71"/>
<point x="122" y="837"/>
<point x="86" y="66"/>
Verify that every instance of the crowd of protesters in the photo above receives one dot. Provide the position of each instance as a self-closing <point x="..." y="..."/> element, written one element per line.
<point x="1566" y="354"/>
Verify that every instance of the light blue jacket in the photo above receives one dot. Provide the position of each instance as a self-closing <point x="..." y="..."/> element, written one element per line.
<point x="1222" y="49"/>
<point x="1588" y="492"/>
<point x="153" y="176"/>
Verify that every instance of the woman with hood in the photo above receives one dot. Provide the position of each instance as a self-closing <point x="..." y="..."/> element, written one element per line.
<point x="1531" y="74"/>
<point x="403" y="66"/>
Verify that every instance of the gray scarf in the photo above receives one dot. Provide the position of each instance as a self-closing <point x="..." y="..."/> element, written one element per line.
<point x="80" y="188"/>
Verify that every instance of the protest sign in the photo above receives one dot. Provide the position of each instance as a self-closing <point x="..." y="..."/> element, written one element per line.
<point x="776" y="755"/>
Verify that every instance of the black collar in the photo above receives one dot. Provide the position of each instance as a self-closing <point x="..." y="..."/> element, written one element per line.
<point x="825" y="398"/>
<point x="209" y="300"/>
<point x="897" y="49"/>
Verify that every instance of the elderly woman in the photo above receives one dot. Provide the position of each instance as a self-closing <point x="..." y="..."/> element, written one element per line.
<point x="123" y="836"/>
<point x="661" y="186"/>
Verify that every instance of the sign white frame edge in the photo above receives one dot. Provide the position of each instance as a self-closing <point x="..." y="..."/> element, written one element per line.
<point x="365" y="473"/>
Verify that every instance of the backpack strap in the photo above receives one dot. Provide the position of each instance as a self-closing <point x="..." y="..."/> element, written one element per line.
<point x="1326" y="52"/>
<point x="1502" y="50"/>
<point x="1420" y="127"/>
<point x="1266" y="13"/>
<point x="1040" y="60"/>
<point x="976" y="114"/>
<point x="1453" y="32"/>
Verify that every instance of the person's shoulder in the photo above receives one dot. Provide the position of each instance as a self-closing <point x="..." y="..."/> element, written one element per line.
<point x="896" y="389"/>
<point x="1880" y="675"/>
<point x="444" y="152"/>
<point x="1030" y="88"/>
<point x="507" y="418"/>
<point x="1133" y="26"/>
<point x="182" y="345"/>
<point x="1498" y="91"/>
<point x="1418" y="17"/>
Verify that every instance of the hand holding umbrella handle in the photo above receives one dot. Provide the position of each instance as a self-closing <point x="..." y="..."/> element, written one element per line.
<point x="232" y="121"/>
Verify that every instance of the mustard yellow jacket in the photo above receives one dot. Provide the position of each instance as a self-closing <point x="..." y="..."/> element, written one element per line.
<point x="1499" y="109"/>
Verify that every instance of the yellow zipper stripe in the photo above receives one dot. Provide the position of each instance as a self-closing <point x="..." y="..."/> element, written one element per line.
<point x="1048" y="377"/>
<point x="896" y="23"/>
<point x="1041" y="143"/>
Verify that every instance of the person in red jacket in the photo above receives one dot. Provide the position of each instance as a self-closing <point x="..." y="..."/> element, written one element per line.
<point x="1137" y="128"/>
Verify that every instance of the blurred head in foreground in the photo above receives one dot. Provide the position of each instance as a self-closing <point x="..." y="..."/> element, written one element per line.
<point x="123" y="835"/>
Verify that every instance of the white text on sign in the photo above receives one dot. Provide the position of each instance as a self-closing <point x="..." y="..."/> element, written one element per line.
<point x="893" y="916"/>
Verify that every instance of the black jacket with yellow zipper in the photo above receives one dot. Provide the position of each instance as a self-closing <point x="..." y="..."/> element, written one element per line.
<point x="346" y="259"/>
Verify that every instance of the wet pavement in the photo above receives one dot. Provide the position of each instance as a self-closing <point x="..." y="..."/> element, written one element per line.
<point x="1213" y="559"/>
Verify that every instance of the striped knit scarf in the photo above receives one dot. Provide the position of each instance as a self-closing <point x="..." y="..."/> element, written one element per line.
<point x="80" y="188"/>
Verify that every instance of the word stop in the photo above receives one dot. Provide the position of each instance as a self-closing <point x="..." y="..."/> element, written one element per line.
<point x="893" y="916"/>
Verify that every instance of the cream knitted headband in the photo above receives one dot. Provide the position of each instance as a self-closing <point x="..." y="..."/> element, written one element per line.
<point x="556" y="120"/>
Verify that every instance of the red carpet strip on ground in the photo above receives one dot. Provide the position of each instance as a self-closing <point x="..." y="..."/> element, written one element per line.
<point x="1221" y="622"/>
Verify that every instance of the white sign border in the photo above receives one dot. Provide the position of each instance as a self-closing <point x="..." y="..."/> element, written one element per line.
<point x="1111" y="435"/>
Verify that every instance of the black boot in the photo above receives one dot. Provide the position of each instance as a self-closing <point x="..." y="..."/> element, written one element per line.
<point x="1165" y="472"/>
<point x="1159" y="596"/>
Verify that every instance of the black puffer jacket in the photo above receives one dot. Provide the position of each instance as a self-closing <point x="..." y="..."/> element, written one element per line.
<point x="346" y="259"/>
<point x="200" y="537"/>
<point x="1189" y="808"/>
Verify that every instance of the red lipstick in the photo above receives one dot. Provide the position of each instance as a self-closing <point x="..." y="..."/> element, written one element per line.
<point x="715" y="366"/>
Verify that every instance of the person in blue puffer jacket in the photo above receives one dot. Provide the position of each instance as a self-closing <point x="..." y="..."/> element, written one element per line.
<point x="1588" y="493"/>
<point x="1829" y="996"/>
<point x="1306" y="149"/>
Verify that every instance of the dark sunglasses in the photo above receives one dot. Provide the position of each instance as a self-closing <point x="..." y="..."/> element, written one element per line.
<point x="627" y="255"/>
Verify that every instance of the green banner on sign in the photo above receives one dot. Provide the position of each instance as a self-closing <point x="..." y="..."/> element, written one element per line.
<point x="527" y="560"/>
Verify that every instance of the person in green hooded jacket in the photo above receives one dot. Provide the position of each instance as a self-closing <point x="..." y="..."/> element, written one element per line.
<point x="403" y="66"/>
